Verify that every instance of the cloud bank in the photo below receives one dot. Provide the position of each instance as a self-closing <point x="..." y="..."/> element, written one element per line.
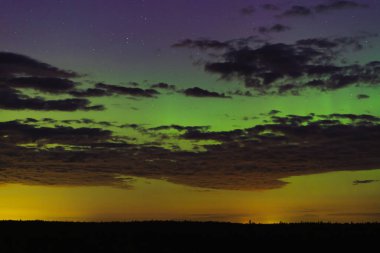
<point x="242" y="159"/>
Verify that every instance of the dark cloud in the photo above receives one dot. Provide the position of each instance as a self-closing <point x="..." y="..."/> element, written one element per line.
<point x="299" y="11"/>
<point x="354" y="42"/>
<point x="318" y="42"/>
<point x="288" y="89"/>
<point x="296" y="11"/>
<point x="19" y="72"/>
<point x="11" y="99"/>
<point x="14" y="65"/>
<point x="14" y="132"/>
<point x="357" y="182"/>
<point x="273" y="29"/>
<point x="102" y="89"/>
<point x="224" y="136"/>
<point x="339" y="5"/>
<point x="202" y="44"/>
<point x="242" y="159"/>
<point x="164" y="86"/>
<point x="90" y="92"/>
<point x="353" y="118"/>
<point x="44" y="84"/>
<point x="270" y="7"/>
<point x="293" y="120"/>
<point x="133" y="84"/>
<point x="289" y="68"/>
<point x="31" y="120"/>
<point x="83" y="121"/>
<point x="240" y="93"/>
<point x="121" y="90"/>
<point x="198" y="92"/>
<point x="273" y="112"/>
<point x="180" y="128"/>
<point x="248" y="10"/>
<point x="362" y="96"/>
<point x="206" y="44"/>
<point x="133" y="126"/>
<point x="191" y="92"/>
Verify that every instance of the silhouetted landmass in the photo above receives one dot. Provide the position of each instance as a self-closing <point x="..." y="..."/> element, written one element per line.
<point x="161" y="236"/>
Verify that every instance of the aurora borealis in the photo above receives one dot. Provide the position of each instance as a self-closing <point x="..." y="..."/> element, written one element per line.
<point x="201" y="110"/>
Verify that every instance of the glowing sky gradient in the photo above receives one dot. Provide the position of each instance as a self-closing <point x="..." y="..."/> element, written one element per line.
<point x="175" y="135"/>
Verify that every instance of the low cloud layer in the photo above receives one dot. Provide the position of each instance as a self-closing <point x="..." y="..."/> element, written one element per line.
<point x="245" y="159"/>
<point x="15" y="132"/>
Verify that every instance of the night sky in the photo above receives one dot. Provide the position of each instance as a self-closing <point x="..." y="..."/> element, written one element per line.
<point x="201" y="110"/>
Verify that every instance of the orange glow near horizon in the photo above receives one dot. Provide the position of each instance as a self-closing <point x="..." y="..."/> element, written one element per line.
<point x="321" y="197"/>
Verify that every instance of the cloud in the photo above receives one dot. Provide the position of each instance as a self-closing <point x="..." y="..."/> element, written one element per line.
<point x="297" y="11"/>
<point x="164" y="86"/>
<point x="179" y="128"/>
<point x="357" y="182"/>
<point x="198" y="92"/>
<point x="353" y="118"/>
<point x="335" y="5"/>
<point x="121" y="90"/>
<point x="318" y="42"/>
<point x="133" y="84"/>
<point x="362" y="96"/>
<point x="82" y="121"/>
<point x="281" y="68"/>
<point x="273" y="29"/>
<point x="11" y="99"/>
<point x="90" y="92"/>
<point x="253" y="158"/>
<point x="273" y="112"/>
<point x="270" y="7"/>
<point x="195" y="134"/>
<point x="202" y="44"/>
<point x="339" y="5"/>
<point x="240" y="93"/>
<point x="102" y="89"/>
<point x="45" y="84"/>
<point x="355" y="42"/>
<point x="15" y="132"/>
<point x="13" y="65"/>
<point x="207" y="44"/>
<point x="18" y="72"/>
<point x="248" y="10"/>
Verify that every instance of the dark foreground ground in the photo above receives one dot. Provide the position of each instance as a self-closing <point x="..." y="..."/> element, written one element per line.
<point x="36" y="236"/>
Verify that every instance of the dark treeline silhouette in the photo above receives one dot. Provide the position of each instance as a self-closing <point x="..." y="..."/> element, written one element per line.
<point x="169" y="236"/>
